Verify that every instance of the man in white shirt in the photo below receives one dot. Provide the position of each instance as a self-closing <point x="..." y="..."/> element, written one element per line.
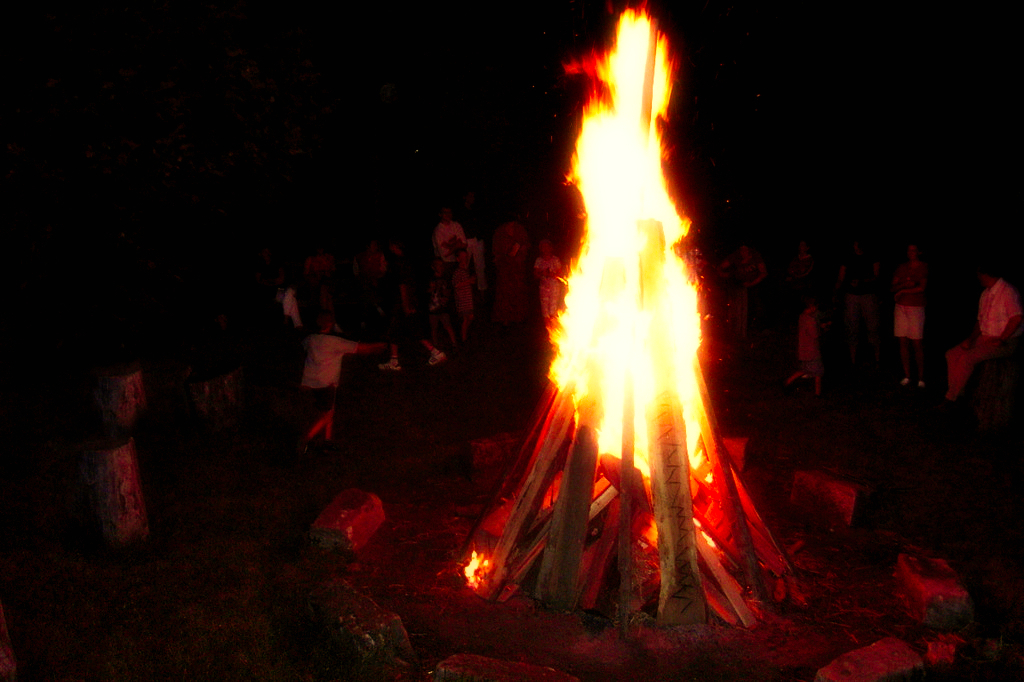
<point x="995" y="334"/>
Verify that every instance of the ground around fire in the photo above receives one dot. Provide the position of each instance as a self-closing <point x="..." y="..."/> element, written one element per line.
<point x="219" y="591"/>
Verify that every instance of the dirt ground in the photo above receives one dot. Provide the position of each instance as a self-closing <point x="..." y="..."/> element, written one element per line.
<point x="219" y="590"/>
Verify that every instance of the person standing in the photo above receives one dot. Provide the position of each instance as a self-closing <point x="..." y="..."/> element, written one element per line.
<point x="746" y="268"/>
<point x="407" y="324"/>
<point x="995" y="335"/>
<point x="549" y="272"/>
<point x="511" y="296"/>
<point x="858" y="282"/>
<point x="463" y="283"/>
<point x="469" y="219"/>
<point x="448" y="238"/>
<point x="908" y="285"/>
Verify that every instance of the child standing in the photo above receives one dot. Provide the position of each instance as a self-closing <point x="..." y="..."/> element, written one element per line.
<point x="463" y="281"/>
<point x="440" y="302"/>
<point x="809" y="346"/>
<point x="549" y="271"/>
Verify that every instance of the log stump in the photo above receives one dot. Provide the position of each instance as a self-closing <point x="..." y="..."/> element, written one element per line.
<point x="216" y="403"/>
<point x="8" y="664"/>
<point x="110" y="474"/>
<point x="993" y="397"/>
<point x="120" y="397"/>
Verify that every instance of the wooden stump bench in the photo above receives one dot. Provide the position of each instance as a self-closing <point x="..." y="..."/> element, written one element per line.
<point x="113" y="492"/>
<point x="216" y="402"/>
<point x="994" y="394"/>
<point x="119" y="396"/>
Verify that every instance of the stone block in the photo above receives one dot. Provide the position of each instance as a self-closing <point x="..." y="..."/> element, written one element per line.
<point x="933" y="593"/>
<point x="887" y="660"/>
<point x="471" y="668"/>
<point x="495" y="450"/>
<point x="348" y="522"/>
<point x="366" y="636"/>
<point x="832" y="501"/>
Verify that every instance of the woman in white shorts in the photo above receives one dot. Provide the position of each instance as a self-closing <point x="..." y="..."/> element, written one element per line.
<point x="908" y="285"/>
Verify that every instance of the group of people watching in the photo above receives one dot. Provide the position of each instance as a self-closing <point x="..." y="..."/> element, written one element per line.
<point x="389" y="299"/>
<point x="856" y="292"/>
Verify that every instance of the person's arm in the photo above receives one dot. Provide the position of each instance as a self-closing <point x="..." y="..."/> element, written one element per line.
<point x="968" y="343"/>
<point x="1011" y="327"/>
<point x="842" y="276"/>
<point x="371" y="348"/>
<point x="762" y="272"/>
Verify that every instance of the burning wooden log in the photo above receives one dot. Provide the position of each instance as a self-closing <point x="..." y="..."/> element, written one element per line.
<point x="560" y="567"/>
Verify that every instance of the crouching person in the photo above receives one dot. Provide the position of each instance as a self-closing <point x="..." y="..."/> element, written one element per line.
<point x="325" y="351"/>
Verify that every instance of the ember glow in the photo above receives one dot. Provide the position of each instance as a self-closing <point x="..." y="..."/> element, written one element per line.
<point x="476" y="569"/>
<point x="623" y="319"/>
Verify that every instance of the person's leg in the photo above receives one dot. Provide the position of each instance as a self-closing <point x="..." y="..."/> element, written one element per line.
<point x="961" y="362"/>
<point x="905" y="359"/>
<point x="869" y="311"/>
<point x="446" y="321"/>
<point x="476" y="253"/>
<point x="919" y="357"/>
<point x="851" y="321"/>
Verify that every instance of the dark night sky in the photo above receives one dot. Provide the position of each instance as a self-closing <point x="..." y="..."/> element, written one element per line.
<point x="180" y="138"/>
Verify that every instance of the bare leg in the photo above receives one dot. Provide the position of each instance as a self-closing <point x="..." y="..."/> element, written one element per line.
<point x="446" y="320"/>
<point x="919" y="356"/>
<point x="817" y="385"/>
<point x="905" y="355"/>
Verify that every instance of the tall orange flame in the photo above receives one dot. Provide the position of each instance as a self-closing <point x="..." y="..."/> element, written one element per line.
<point x="618" y="321"/>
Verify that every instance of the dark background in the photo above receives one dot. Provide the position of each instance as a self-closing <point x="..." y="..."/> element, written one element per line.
<point x="150" y="151"/>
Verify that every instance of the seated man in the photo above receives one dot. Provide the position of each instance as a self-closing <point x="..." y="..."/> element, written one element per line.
<point x="995" y="335"/>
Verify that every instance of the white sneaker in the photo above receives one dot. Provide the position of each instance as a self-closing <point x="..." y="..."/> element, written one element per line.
<point x="390" y="366"/>
<point x="905" y="381"/>
<point x="920" y="384"/>
<point x="436" y="358"/>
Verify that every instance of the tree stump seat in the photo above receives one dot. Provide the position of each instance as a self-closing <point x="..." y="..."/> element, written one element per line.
<point x="215" y="401"/>
<point x="109" y="472"/>
<point x="995" y="392"/>
<point x="119" y="396"/>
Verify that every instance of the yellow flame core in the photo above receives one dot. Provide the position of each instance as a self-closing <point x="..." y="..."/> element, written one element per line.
<point x="605" y="334"/>
<point x="475" y="569"/>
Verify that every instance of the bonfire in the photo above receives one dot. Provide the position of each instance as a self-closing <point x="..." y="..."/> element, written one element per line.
<point x="622" y="493"/>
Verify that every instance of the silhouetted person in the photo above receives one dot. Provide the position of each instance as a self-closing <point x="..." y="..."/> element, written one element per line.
<point x="407" y="323"/>
<point x="511" y="297"/>
<point x="746" y="269"/>
<point x="858" y="283"/>
<point x="468" y="217"/>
